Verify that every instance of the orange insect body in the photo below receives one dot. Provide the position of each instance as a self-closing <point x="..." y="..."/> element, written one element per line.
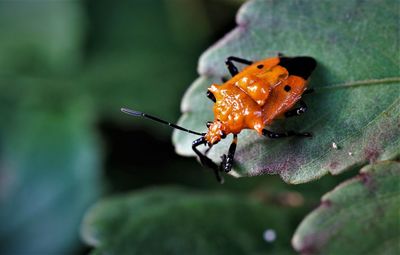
<point x="253" y="98"/>
<point x="263" y="91"/>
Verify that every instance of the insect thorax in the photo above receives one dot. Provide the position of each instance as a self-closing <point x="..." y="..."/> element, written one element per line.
<point x="235" y="109"/>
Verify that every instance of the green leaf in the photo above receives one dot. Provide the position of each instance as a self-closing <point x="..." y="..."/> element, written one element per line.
<point x="357" y="86"/>
<point x="48" y="177"/>
<point x="145" y="67"/>
<point x="49" y="158"/>
<point x="179" y="221"/>
<point x="360" y="216"/>
<point x="41" y="37"/>
<point x="40" y="47"/>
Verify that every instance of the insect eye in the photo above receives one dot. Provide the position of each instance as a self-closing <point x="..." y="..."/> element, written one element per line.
<point x="211" y="96"/>
<point x="223" y="135"/>
<point x="208" y="124"/>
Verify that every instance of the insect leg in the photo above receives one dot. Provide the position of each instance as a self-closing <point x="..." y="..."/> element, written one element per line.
<point x="211" y="96"/>
<point x="205" y="161"/>
<point x="239" y="60"/>
<point x="227" y="161"/>
<point x="297" y="111"/>
<point x="274" y="135"/>
<point x="232" y="68"/>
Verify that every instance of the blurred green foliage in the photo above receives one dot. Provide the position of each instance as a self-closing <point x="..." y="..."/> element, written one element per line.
<point x="66" y="67"/>
<point x="49" y="175"/>
<point x="181" y="221"/>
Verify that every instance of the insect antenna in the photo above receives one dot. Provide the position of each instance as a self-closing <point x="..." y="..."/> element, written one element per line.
<point x="145" y="115"/>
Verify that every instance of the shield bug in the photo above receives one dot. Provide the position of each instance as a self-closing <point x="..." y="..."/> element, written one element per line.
<point x="253" y="98"/>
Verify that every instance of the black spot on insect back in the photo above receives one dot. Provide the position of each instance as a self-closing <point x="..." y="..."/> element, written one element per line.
<point x="300" y="66"/>
<point x="260" y="66"/>
<point x="287" y="88"/>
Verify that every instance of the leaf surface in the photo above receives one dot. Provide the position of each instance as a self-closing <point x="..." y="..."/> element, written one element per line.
<point x="48" y="177"/>
<point x="360" y="216"/>
<point x="145" y="67"/>
<point x="357" y="86"/>
<point x="41" y="37"/>
<point x="180" y="221"/>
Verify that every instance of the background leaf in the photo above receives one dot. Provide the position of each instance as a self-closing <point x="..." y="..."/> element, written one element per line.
<point x="49" y="156"/>
<point x="66" y="68"/>
<point x="357" y="84"/>
<point x="360" y="216"/>
<point x="41" y="37"/>
<point x="181" y="221"/>
<point x="129" y="66"/>
<point x="48" y="177"/>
